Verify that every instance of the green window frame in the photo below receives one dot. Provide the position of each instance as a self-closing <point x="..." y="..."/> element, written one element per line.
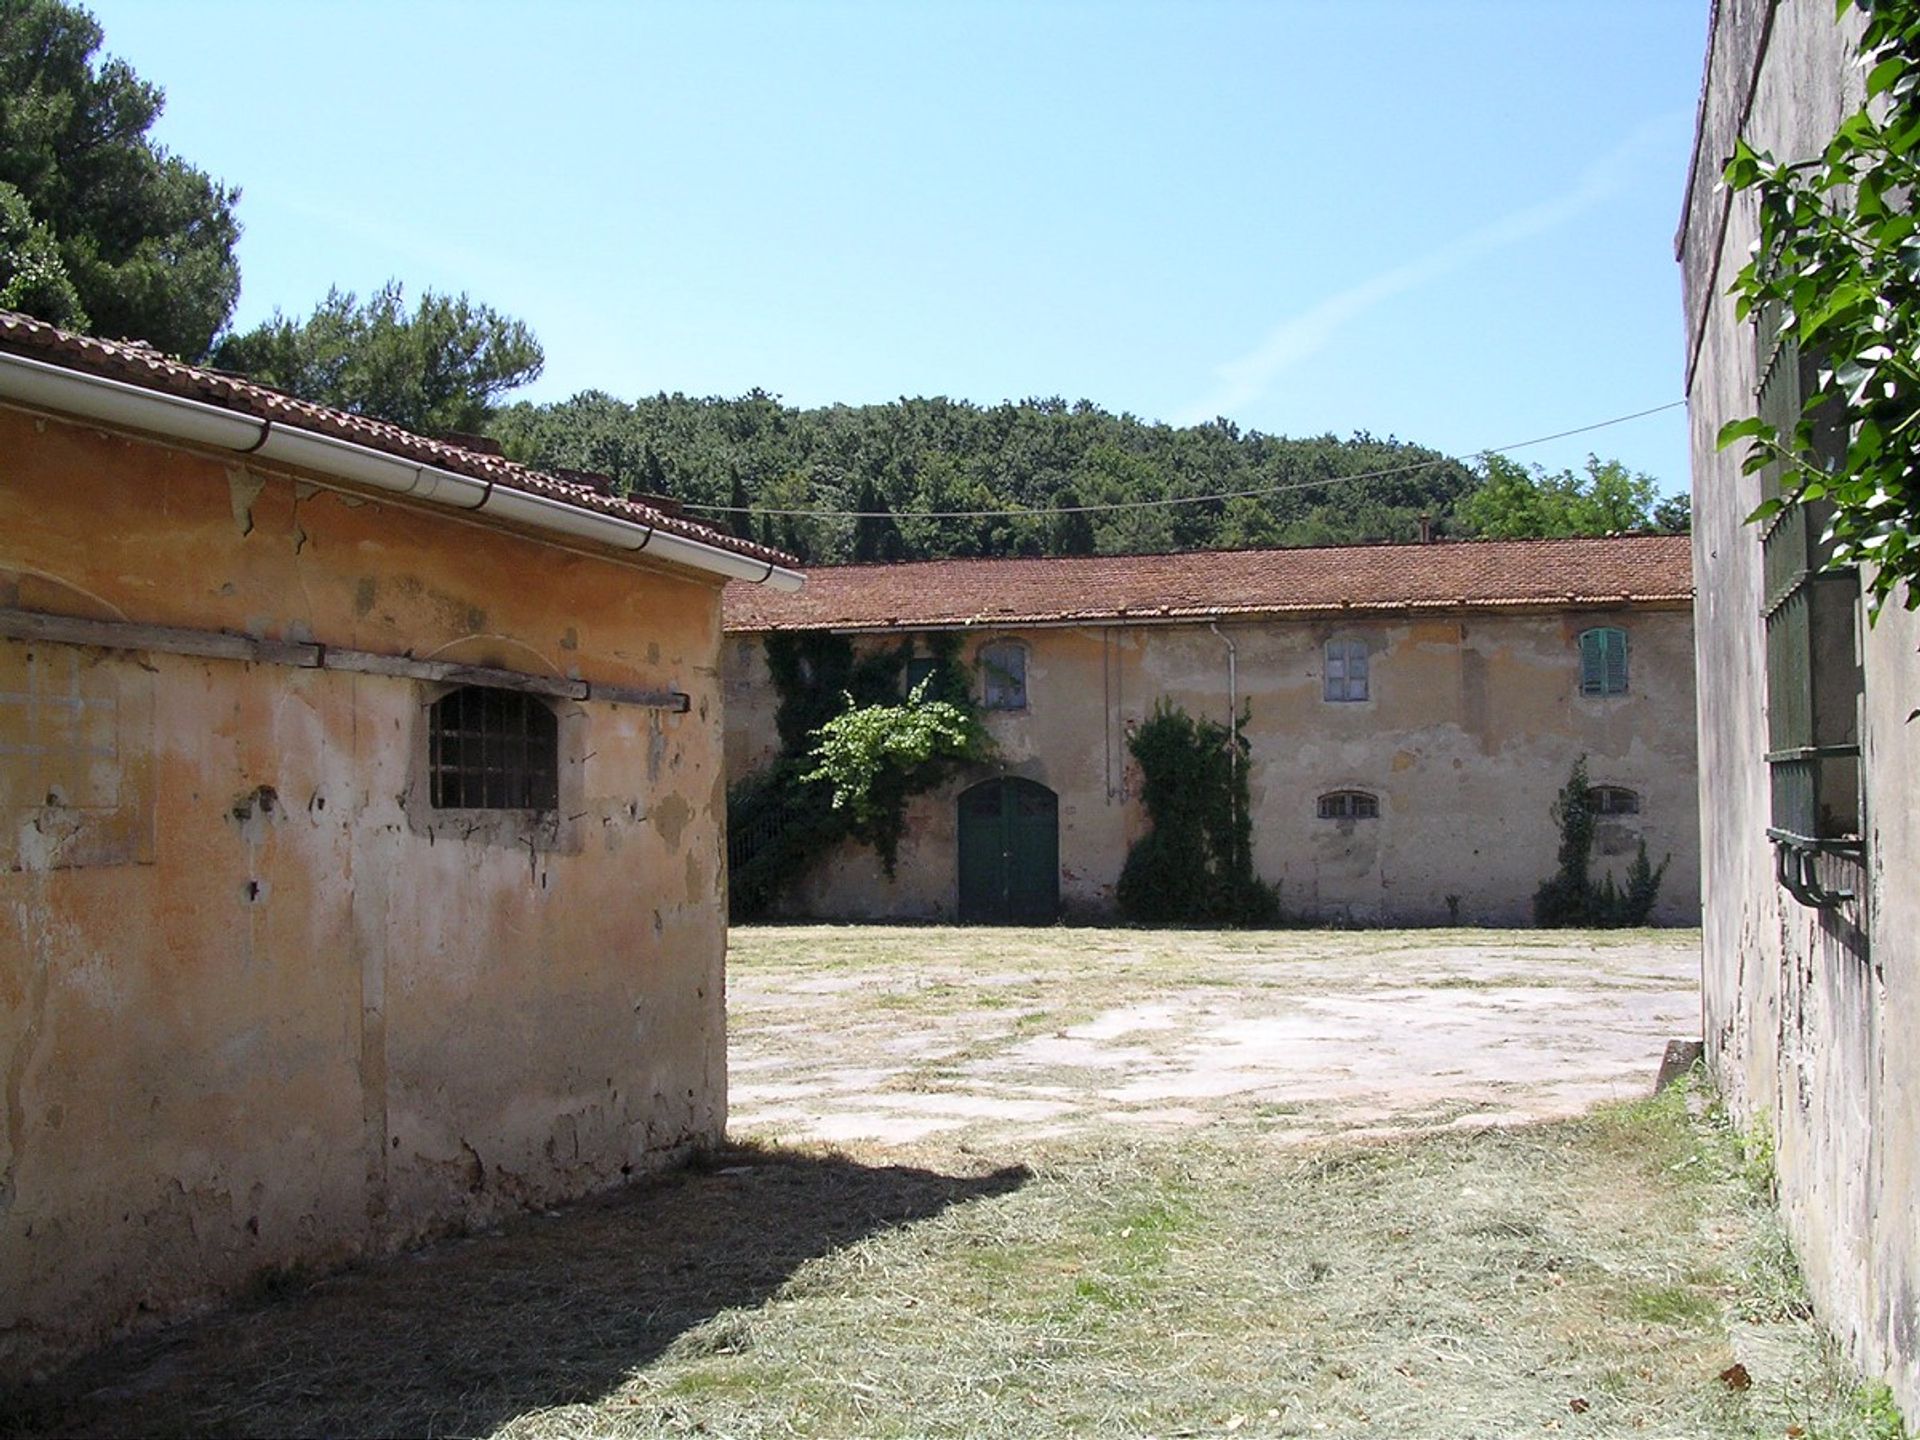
<point x="1603" y="661"/>
<point x="1811" y="618"/>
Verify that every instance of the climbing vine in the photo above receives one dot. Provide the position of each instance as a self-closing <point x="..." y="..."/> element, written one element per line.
<point x="879" y="753"/>
<point x="1195" y="866"/>
<point x="1835" y="272"/>
<point x="876" y="757"/>
<point x="1570" y="898"/>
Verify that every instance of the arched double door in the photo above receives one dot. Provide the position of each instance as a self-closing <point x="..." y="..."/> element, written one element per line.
<point x="1009" y="853"/>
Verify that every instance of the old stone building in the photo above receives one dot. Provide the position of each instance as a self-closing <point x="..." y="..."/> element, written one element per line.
<point x="1413" y="710"/>
<point x="360" y="816"/>
<point x="1808" y="754"/>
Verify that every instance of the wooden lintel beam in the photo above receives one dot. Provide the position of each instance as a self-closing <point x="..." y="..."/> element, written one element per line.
<point x="306" y="655"/>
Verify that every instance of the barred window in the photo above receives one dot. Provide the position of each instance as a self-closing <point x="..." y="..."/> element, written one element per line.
<point x="1614" y="800"/>
<point x="1346" y="670"/>
<point x="1349" y="805"/>
<point x="1603" y="661"/>
<point x="1811" y="618"/>
<point x="493" y="750"/>
<point x="1003" y="667"/>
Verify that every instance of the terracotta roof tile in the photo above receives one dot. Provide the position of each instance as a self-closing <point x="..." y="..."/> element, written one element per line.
<point x="139" y="364"/>
<point x="1474" y="574"/>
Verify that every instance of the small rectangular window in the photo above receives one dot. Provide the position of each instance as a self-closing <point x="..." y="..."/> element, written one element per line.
<point x="920" y="668"/>
<point x="1003" y="669"/>
<point x="1346" y="671"/>
<point x="1603" y="661"/>
<point x="493" y="750"/>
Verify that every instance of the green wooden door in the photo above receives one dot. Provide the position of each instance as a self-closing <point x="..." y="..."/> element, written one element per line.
<point x="1009" y="854"/>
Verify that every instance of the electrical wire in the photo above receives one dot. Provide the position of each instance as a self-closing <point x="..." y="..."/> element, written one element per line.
<point x="1413" y="468"/>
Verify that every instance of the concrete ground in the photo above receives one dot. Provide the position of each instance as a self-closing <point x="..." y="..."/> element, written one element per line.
<point x="989" y="1037"/>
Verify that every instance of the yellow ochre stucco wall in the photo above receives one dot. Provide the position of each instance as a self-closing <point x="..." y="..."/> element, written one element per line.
<point x="262" y="1006"/>
<point x="1472" y="724"/>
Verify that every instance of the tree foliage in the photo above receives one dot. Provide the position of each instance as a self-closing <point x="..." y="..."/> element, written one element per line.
<point x="1516" y="501"/>
<point x="99" y="226"/>
<point x="1195" y="866"/>
<point x="435" y="369"/>
<point x="1836" y="271"/>
<point x="919" y="459"/>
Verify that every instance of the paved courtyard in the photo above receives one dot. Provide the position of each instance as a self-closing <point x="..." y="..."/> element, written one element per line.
<point x="898" y="1035"/>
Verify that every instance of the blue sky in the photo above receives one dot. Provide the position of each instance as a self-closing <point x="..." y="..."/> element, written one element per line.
<point x="1446" y="220"/>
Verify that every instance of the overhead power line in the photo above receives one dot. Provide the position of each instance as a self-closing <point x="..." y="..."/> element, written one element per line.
<point x="1413" y="468"/>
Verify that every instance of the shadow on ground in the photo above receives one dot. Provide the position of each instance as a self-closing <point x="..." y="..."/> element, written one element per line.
<point x="459" y="1338"/>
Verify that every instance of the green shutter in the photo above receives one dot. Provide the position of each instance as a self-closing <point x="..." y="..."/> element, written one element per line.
<point x="1615" y="643"/>
<point x="1603" y="661"/>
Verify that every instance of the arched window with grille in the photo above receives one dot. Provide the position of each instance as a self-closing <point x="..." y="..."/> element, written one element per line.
<point x="1349" y="805"/>
<point x="493" y="750"/>
<point x="1614" y="800"/>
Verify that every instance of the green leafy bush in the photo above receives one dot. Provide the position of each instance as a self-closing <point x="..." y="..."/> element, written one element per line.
<point x="876" y="756"/>
<point x="1570" y="897"/>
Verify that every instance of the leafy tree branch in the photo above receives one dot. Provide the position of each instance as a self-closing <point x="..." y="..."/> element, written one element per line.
<point x="1835" y="274"/>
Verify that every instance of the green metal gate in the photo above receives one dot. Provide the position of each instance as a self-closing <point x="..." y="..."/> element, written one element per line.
<point x="1009" y="854"/>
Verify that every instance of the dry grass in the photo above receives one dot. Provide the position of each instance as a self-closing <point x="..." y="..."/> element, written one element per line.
<point x="1593" y="1277"/>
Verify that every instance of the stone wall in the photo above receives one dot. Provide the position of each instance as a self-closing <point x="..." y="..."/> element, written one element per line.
<point x="1809" y="1017"/>
<point x="261" y="1005"/>
<point x="1470" y="727"/>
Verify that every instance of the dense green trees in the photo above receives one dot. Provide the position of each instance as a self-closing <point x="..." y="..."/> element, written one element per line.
<point x="1517" y="501"/>
<point x="435" y="369"/>
<point x="921" y="458"/>
<point x="100" y="228"/>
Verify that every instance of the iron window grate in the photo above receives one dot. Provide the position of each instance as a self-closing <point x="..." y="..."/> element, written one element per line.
<point x="493" y="750"/>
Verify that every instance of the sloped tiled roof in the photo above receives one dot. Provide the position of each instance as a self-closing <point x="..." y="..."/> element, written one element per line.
<point x="1473" y="574"/>
<point x="137" y="364"/>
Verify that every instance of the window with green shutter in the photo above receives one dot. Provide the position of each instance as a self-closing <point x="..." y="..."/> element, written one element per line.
<point x="1603" y="661"/>
<point x="1811" y="616"/>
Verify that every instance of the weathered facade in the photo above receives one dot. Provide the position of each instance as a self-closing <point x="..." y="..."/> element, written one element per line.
<point x="1812" y="1000"/>
<point x="1413" y="711"/>
<point x="285" y="975"/>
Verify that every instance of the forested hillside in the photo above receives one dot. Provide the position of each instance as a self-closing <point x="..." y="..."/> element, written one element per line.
<point x="911" y="457"/>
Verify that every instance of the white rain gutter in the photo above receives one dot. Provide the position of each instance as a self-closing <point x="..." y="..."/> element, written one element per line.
<point x="44" y="386"/>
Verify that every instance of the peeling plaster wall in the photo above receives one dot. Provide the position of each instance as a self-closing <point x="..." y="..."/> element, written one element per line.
<point x="1472" y="724"/>
<point x="260" y="1005"/>
<point x="1810" y="1021"/>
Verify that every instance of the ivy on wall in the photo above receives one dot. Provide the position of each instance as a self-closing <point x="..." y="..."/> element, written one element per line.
<point x="1195" y="866"/>
<point x="878" y="753"/>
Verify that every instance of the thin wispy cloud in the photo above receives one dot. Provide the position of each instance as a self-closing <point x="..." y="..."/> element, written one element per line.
<point x="1246" y="378"/>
